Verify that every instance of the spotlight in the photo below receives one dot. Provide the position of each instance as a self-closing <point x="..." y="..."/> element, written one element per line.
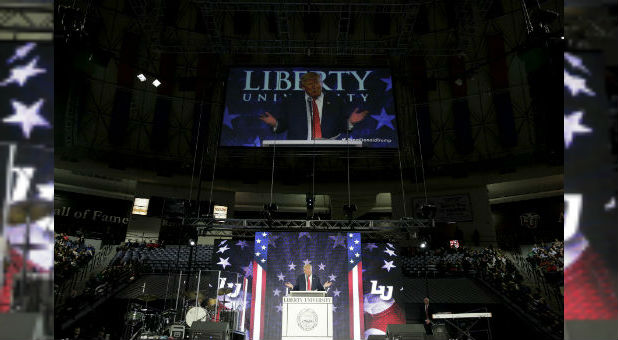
<point x="141" y="77"/>
<point x="191" y="242"/>
<point x="349" y="210"/>
<point x="423" y="245"/>
<point x="156" y="83"/>
<point x="562" y="37"/>
<point x="310" y="205"/>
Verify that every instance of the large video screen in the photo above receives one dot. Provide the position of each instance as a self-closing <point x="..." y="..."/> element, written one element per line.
<point x="272" y="104"/>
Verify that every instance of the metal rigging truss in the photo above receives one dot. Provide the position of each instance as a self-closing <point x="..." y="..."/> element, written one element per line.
<point x="396" y="231"/>
<point x="27" y="19"/>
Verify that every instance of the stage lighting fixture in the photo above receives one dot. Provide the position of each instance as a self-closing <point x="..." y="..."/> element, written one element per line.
<point x="156" y="83"/>
<point x="423" y="245"/>
<point x="191" y="242"/>
<point x="270" y="210"/>
<point x="141" y="77"/>
<point x="349" y="210"/>
<point x="310" y="201"/>
<point x="427" y="211"/>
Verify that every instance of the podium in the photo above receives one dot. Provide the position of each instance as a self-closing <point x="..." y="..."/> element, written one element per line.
<point x="307" y="315"/>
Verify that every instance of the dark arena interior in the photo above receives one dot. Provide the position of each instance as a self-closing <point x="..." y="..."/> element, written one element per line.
<point x="209" y="154"/>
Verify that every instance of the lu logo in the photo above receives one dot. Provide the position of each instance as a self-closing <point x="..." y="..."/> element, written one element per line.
<point x="230" y="285"/>
<point x="381" y="290"/>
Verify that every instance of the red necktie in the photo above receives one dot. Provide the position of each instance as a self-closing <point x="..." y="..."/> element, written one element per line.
<point x="317" y="130"/>
<point x="308" y="282"/>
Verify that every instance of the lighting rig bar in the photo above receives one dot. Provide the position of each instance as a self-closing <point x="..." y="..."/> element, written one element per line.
<point x="372" y="229"/>
<point x="25" y="19"/>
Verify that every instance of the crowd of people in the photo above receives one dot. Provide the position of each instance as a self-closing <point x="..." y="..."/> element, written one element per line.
<point x="135" y="244"/>
<point x="549" y="259"/>
<point x="70" y="255"/>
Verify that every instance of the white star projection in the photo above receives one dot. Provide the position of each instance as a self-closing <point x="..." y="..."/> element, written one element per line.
<point x="576" y="62"/>
<point x="576" y="85"/>
<point x="20" y="74"/>
<point x="21" y="52"/>
<point x="27" y="116"/>
<point x="572" y="126"/>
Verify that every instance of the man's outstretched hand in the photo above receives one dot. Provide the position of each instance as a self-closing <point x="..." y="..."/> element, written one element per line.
<point x="327" y="284"/>
<point x="289" y="285"/>
<point x="356" y="116"/>
<point x="268" y="119"/>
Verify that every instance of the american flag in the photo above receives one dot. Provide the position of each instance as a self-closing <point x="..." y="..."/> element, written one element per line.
<point x="259" y="285"/>
<point x="355" y="285"/>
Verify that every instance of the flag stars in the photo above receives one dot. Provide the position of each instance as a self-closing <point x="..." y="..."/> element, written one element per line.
<point x="28" y="116"/>
<point x="263" y="247"/>
<point x="223" y="249"/>
<point x="390" y="252"/>
<point x="223" y="262"/>
<point x="321" y="266"/>
<point x="292" y="266"/>
<point x="357" y="255"/>
<point x="388" y="265"/>
<point x="572" y="126"/>
<point x="332" y="277"/>
<point x="281" y="277"/>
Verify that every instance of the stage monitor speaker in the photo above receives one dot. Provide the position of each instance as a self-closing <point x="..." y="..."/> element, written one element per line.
<point x="177" y="331"/>
<point x="377" y="337"/>
<point x="237" y="335"/>
<point x="405" y="332"/>
<point x="209" y="330"/>
<point x="24" y="326"/>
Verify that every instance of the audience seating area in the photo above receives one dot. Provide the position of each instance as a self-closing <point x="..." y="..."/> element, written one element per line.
<point x="161" y="259"/>
<point x="549" y="259"/>
<point x="493" y="267"/>
<point x="70" y="255"/>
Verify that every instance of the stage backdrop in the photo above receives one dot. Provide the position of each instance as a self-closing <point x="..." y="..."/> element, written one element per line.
<point x="590" y="182"/>
<point x="252" y="91"/>
<point x="279" y="257"/>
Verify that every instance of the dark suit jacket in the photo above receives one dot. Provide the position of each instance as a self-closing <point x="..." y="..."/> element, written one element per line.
<point x="429" y="311"/>
<point x="292" y="116"/>
<point x="302" y="285"/>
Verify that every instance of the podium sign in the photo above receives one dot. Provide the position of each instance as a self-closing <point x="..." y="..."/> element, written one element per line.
<point x="307" y="318"/>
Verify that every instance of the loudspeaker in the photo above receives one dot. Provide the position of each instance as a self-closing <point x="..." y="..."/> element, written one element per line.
<point x="236" y="335"/>
<point x="177" y="331"/>
<point x="377" y="337"/>
<point x="406" y="332"/>
<point x="21" y="326"/>
<point x="209" y="330"/>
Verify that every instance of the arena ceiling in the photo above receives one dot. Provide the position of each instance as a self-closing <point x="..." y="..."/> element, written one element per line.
<point x="192" y="43"/>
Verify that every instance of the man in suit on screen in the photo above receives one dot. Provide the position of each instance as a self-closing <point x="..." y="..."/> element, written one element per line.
<point x="314" y="114"/>
<point x="308" y="281"/>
